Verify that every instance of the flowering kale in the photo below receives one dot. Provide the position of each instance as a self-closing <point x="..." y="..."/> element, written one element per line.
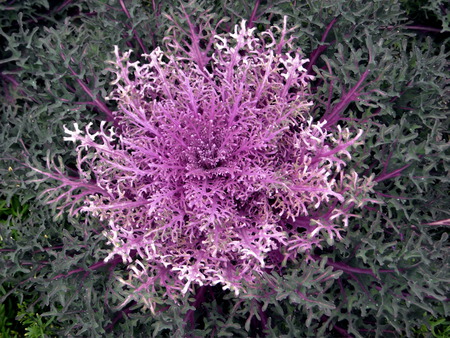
<point x="214" y="171"/>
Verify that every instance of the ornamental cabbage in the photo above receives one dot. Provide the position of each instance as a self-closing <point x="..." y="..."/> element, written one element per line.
<point x="214" y="172"/>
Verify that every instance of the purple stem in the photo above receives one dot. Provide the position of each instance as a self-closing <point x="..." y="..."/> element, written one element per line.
<point x="387" y="331"/>
<point x="2" y="299"/>
<point x="341" y="286"/>
<point x="392" y="196"/>
<point x="118" y="317"/>
<point x="199" y="298"/>
<point x="424" y="28"/>
<point x="333" y="116"/>
<point x="10" y="79"/>
<point x="406" y="295"/>
<point x="253" y="15"/>
<point x="96" y="100"/>
<point x="319" y="50"/>
<point x="95" y="266"/>
<point x="64" y="4"/>
<point x="349" y="269"/>
<point x="15" y="83"/>
<point x="363" y="288"/>
<point x="50" y="13"/>
<point x="138" y="39"/>
<point x="263" y="316"/>
<point x="38" y="251"/>
<point x="342" y="332"/>
<point x="34" y="263"/>
<point x="49" y="248"/>
<point x="392" y="174"/>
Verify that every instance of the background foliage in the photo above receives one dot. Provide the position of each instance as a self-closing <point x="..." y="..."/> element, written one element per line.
<point x="376" y="69"/>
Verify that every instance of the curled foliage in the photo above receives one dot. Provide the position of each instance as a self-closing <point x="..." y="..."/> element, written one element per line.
<point x="214" y="161"/>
